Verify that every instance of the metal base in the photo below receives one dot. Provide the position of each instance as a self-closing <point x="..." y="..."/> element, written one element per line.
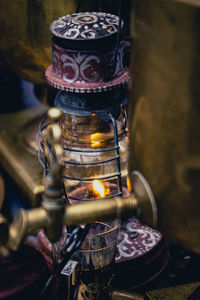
<point x="21" y="164"/>
<point x="147" y="209"/>
<point x="121" y="295"/>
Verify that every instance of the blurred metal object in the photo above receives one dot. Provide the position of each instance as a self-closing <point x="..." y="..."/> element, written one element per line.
<point x="183" y="292"/>
<point x="25" y="36"/>
<point x="191" y="2"/>
<point x="53" y="201"/>
<point x="22" y="166"/>
<point x="3" y="229"/>
<point x="147" y="209"/>
<point x="164" y="112"/>
<point x="121" y="295"/>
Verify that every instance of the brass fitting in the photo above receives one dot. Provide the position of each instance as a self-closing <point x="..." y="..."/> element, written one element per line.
<point x="53" y="202"/>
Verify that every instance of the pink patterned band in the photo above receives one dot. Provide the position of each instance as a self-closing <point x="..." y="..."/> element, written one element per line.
<point x="87" y="66"/>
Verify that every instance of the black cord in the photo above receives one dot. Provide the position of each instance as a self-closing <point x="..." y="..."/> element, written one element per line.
<point x="73" y="242"/>
<point x="131" y="234"/>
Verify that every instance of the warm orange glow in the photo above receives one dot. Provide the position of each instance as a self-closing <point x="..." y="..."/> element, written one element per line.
<point x="128" y="182"/>
<point x="96" y="139"/>
<point x="99" y="188"/>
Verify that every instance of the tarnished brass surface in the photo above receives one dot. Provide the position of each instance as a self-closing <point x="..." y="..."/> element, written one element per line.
<point x="121" y="295"/>
<point x="190" y="2"/>
<point x="25" y="41"/>
<point x="53" y="201"/>
<point x="21" y="165"/>
<point x="90" y="211"/>
<point x="164" y="117"/>
<point x="29" y="133"/>
<point x="181" y="292"/>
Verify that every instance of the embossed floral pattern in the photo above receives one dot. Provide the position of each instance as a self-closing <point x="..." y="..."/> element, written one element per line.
<point x="85" y="25"/>
<point x="147" y="239"/>
<point x="88" y="66"/>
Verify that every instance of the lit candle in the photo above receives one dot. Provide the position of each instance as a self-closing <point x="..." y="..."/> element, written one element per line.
<point x="99" y="188"/>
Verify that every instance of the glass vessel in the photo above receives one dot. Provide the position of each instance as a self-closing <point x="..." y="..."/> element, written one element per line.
<point x="93" y="148"/>
<point x="96" y="262"/>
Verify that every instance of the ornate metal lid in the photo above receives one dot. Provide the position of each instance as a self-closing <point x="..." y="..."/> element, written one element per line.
<point x="85" y="26"/>
<point x="89" y="53"/>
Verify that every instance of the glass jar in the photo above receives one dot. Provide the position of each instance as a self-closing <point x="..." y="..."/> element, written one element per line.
<point x="90" y="151"/>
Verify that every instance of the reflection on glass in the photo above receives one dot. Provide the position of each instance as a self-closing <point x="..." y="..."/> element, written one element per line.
<point x="96" y="261"/>
<point x="91" y="133"/>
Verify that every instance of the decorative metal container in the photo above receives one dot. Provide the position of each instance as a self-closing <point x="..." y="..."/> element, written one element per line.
<point x="88" y="56"/>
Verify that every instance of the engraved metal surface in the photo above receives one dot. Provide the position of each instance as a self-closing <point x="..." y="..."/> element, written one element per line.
<point x="85" y="25"/>
<point x="21" y="165"/>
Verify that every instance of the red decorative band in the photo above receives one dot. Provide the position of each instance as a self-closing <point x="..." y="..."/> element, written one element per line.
<point x="88" y="66"/>
<point x="93" y="87"/>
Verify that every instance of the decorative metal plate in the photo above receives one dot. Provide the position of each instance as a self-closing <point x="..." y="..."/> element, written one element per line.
<point x="90" y="87"/>
<point x="85" y="26"/>
<point x="146" y="241"/>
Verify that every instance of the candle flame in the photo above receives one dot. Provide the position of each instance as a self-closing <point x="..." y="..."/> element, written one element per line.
<point x="128" y="182"/>
<point x="96" y="139"/>
<point x="99" y="188"/>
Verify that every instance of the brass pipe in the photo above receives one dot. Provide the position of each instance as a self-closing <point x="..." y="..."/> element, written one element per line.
<point x="91" y="211"/>
<point x="37" y="218"/>
<point x="27" y="222"/>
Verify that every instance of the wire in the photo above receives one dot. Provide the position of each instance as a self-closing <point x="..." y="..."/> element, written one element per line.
<point x="73" y="242"/>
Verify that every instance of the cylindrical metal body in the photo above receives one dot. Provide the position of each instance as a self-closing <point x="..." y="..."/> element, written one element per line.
<point x="164" y="117"/>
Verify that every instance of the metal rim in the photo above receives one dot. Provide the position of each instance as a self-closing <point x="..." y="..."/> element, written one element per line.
<point x="149" y="193"/>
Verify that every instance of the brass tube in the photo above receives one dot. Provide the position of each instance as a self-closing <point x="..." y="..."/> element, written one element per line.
<point x="37" y="218"/>
<point x="91" y="211"/>
<point x="27" y="222"/>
